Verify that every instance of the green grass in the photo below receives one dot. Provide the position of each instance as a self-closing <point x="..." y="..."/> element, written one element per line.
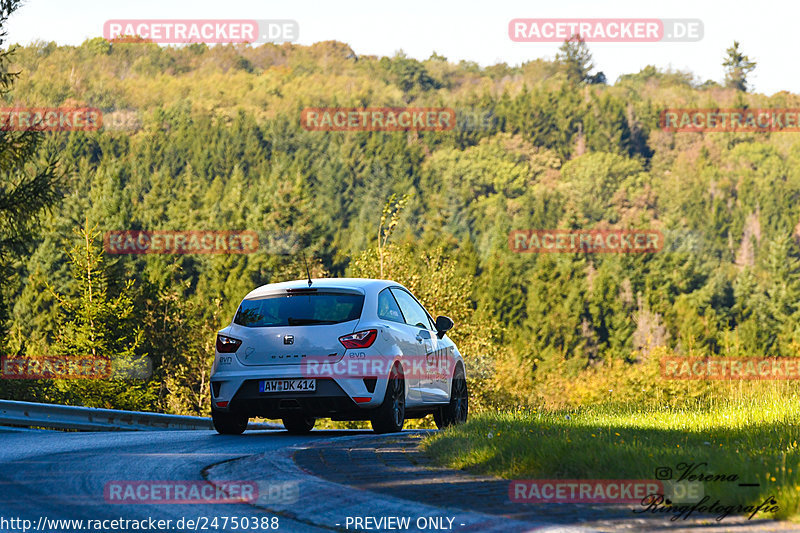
<point x="755" y="439"/>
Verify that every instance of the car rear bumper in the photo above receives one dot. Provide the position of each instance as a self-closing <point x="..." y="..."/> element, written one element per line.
<point x="329" y="400"/>
<point x="237" y="390"/>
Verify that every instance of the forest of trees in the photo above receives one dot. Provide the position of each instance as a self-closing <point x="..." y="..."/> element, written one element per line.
<point x="209" y="138"/>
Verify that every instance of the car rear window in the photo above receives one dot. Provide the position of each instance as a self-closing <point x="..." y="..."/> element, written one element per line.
<point x="309" y="309"/>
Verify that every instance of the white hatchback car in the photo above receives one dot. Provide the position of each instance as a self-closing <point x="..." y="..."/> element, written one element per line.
<point x="344" y="349"/>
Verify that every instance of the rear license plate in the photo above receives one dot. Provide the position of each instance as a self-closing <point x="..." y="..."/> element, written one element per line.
<point x="287" y="385"/>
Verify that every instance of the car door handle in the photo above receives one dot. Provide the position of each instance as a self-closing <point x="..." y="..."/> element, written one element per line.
<point x="419" y="339"/>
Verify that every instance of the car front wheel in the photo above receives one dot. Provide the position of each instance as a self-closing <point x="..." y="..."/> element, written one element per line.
<point x="391" y="415"/>
<point x="456" y="411"/>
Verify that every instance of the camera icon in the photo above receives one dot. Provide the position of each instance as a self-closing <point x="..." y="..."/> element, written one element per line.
<point x="663" y="472"/>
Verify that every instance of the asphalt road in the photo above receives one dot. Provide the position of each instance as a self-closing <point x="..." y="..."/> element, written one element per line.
<point x="48" y="475"/>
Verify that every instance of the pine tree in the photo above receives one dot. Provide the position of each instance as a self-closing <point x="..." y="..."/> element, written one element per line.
<point x="93" y="323"/>
<point x="27" y="185"/>
<point x="575" y="60"/>
<point x="737" y="67"/>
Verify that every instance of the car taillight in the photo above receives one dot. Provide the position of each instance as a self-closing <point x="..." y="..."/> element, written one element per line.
<point x="227" y="344"/>
<point x="361" y="339"/>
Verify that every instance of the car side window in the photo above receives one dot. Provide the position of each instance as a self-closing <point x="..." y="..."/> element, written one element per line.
<point x="387" y="307"/>
<point x="414" y="314"/>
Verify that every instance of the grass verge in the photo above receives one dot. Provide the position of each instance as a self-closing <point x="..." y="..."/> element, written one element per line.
<point x="756" y="440"/>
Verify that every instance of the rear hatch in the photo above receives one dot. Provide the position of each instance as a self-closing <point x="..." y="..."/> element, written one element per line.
<point x="294" y="325"/>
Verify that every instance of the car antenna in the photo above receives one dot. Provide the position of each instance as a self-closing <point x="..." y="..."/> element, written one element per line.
<point x="307" y="271"/>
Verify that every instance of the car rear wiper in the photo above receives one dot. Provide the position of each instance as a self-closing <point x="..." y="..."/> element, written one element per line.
<point x="307" y="321"/>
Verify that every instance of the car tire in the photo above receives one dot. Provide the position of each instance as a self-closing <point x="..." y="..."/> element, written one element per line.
<point x="229" y="423"/>
<point x="391" y="415"/>
<point x="299" y="424"/>
<point x="457" y="410"/>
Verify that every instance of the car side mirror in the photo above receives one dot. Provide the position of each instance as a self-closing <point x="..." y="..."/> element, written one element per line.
<point x="443" y="325"/>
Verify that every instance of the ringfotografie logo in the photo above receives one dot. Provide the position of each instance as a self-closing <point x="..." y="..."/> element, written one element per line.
<point x="690" y="477"/>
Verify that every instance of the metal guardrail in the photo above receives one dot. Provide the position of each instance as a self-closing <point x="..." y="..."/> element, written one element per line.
<point x="52" y="416"/>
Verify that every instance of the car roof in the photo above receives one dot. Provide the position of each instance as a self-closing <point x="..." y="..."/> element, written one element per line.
<point x="365" y="284"/>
